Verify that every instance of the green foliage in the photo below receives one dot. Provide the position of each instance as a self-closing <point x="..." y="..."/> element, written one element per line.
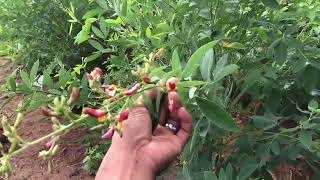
<point x="37" y="30"/>
<point x="251" y="73"/>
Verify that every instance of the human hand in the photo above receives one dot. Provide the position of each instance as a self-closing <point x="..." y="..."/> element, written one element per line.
<point x="140" y="153"/>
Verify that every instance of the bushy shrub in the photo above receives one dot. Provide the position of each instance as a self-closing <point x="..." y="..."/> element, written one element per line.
<point x="38" y="30"/>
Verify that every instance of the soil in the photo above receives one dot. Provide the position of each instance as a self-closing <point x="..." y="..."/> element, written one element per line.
<point x="66" y="164"/>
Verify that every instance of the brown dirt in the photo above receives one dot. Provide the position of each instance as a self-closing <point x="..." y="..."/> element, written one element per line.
<point x="67" y="163"/>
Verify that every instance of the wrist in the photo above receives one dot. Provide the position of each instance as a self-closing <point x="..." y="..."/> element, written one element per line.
<point x="119" y="163"/>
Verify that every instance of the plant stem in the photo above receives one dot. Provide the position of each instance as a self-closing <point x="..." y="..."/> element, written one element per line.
<point x="30" y="144"/>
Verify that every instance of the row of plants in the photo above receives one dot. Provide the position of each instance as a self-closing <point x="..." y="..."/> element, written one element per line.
<point x="247" y="72"/>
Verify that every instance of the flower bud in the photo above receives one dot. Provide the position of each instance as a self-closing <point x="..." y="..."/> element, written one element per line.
<point x="135" y="73"/>
<point x="94" y="112"/>
<point x="133" y="90"/>
<point x="74" y="96"/>
<point x="108" y="134"/>
<point x="172" y="84"/>
<point x="123" y="116"/>
<point x="159" y="53"/>
<point x="146" y="79"/>
<point x="49" y="144"/>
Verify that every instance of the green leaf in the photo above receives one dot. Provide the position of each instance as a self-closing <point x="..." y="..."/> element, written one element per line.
<point x="229" y="172"/>
<point x="38" y="99"/>
<point x="278" y="51"/>
<point x="82" y="37"/>
<point x="103" y="4"/>
<point x="92" y="57"/>
<point x="157" y="72"/>
<point x="25" y="78"/>
<point x="97" y="32"/>
<point x="103" y="27"/>
<point x="305" y="139"/>
<point x="225" y="72"/>
<point x="247" y="167"/>
<point x="209" y="175"/>
<point x="313" y="105"/>
<point x="148" y="33"/>
<point x="47" y="80"/>
<point x="187" y="84"/>
<point x="12" y="83"/>
<point x="175" y="61"/>
<point x="124" y="7"/>
<point x="195" y="134"/>
<point x="221" y="64"/>
<point x="217" y="115"/>
<point x="233" y="45"/>
<point x="96" y="45"/>
<point x="91" y="13"/>
<point x="111" y="22"/>
<point x="273" y="4"/>
<point x="206" y="65"/>
<point x="84" y="89"/>
<point x="196" y="58"/>
<point x="33" y="72"/>
<point x="55" y="92"/>
<point x="267" y="121"/>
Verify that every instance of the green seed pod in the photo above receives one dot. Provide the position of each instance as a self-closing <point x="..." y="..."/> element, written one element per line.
<point x="44" y="154"/>
<point x="56" y="101"/>
<point x="63" y="101"/>
<point x="54" y="150"/>
<point x="18" y="120"/>
<point x="5" y="166"/>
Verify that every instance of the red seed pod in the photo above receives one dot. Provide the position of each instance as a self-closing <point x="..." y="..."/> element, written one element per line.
<point x="172" y="84"/>
<point x="146" y="79"/>
<point x="123" y="116"/>
<point x="108" y="134"/>
<point x="98" y="71"/>
<point x="49" y="144"/>
<point x="133" y="90"/>
<point x="46" y="112"/>
<point x="94" y="112"/>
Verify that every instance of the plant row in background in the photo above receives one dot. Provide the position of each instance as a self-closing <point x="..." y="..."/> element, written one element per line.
<point x="248" y="73"/>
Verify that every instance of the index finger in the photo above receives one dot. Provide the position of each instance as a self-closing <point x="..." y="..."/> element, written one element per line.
<point x="185" y="125"/>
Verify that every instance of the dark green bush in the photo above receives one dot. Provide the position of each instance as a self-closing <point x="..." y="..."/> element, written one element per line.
<point x="38" y="30"/>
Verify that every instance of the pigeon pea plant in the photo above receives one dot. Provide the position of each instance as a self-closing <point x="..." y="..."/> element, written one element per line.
<point x="109" y="115"/>
<point x="254" y="102"/>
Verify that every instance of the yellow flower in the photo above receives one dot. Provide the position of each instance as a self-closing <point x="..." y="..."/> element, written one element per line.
<point x="120" y="125"/>
<point x="102" y="119"/>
